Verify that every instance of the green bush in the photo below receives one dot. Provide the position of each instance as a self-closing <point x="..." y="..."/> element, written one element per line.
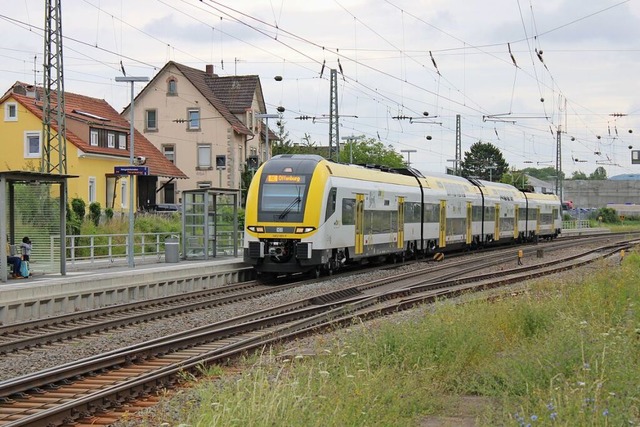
<point x="95" y="212"/>
<point x="79" y="207"/>
<point x="608" y="215"/>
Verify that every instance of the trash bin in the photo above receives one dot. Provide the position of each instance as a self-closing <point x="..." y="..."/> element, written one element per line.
<point x="172" y="249"/>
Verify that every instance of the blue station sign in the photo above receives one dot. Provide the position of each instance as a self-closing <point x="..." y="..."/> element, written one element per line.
<point x="131" y="170"/>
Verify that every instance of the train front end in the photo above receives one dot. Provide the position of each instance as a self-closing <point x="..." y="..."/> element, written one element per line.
<point x="283" y="215"/>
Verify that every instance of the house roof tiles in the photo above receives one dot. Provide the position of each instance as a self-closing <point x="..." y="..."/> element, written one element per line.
<point x="98" y="113"/>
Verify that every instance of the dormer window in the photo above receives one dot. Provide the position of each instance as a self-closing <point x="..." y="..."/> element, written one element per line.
<point x="172" y="87"/>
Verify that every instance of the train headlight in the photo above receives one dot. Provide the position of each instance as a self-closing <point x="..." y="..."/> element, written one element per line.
<point x="300" y="230"/>
<point x="256" y="228"/>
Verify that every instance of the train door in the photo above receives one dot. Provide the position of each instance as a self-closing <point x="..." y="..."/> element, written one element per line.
<point x="496" y="228"/>
<point x="516" y="218"/>
<point x="400" y="222"/>
<point x="443" y="224"/>
<point x="538" y="218"/>
<point x="469" y="222"/>
<point x="359" y="220"/>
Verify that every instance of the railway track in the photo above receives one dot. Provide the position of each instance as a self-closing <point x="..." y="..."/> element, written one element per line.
<point x="80" y="392"/>
<point x="51" y="331"/>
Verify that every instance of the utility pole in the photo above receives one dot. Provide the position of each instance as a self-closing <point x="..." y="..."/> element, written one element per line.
<point x="408" y="155"/>
<point x="334" y="125"/>
<point x="54" y="153"/>
<point x="458" y="159"/>
<point x="558" y="189"/>
<point x="351" y="140"/>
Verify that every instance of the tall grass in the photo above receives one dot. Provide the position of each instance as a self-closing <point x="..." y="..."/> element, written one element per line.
<point x="561" y="354"/>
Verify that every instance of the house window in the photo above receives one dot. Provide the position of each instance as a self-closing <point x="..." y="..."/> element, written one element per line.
<point x="123" y="193"/>
<point x="193" y="119"/>
<point x="122" y="141"/>
<point x="172" y="87"/>
<point x="169" y="152"/>
<point x="151" y="120"/>
<point x="169" y="193"/>
<point x="204" y="156"/>
<point x="94" y="138"/>
<point x="10" y="112"/>
<point x="111" y="140"/>
<point x="32" y="144"/>
<point x="92" y="189"/>
<point x="204" y="184"/>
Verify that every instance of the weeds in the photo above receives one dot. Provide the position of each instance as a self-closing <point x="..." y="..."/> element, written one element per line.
<point x="560" y="354"/>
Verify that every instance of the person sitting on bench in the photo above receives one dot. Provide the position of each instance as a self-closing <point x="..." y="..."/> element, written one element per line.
<point x="15" y="261"/>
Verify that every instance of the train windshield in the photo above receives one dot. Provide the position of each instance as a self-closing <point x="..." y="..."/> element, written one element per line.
<point x="282" y="200"/>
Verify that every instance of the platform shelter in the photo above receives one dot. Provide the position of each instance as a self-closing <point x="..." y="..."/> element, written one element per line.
<point x="210" y="223"/>
<point x="33" y="204"/>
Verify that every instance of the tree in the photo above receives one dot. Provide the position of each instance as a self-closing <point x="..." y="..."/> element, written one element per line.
<point x="599" y="174"/>
<point x="370" y="151"/>
<point x="544" y="174"/>
<point x="283" y="145"/>
<point x="579" y="175"/>
<point x="484" y="161"/>
<point x="516" y="178"/>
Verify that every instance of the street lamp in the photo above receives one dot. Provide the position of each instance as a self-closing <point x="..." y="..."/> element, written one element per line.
<point x="132" y="80"/>
<point x="267" y="117"/>
<point x="408" y="155"/>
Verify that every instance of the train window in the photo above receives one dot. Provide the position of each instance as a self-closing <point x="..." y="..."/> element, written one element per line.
<point x="331" y="203"/>
<point x="276" y="197"/>
<point x="489" y="213"/>
<point x="348" y="211"/>
<point x="522" y="214"/>
<point x="431" y="212"/>
<point x="411" y="212"/>
<point x="476" y="213"/>
<point x="379" y="221"/>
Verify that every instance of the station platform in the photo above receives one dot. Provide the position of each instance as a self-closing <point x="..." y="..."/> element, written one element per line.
<point x="96" y="285"/>
<point x="583" y="231"/>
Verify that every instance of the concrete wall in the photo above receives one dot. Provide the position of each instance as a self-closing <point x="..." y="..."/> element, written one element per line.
<point x="598" y="194"/>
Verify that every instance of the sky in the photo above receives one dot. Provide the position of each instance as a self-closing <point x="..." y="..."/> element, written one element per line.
<point x="515" y="71"/>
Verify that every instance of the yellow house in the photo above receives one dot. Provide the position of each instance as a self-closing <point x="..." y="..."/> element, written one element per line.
<point x="97" y="141"/>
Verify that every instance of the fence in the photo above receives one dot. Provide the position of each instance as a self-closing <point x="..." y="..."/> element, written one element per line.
<point x="576" y="224"/>
<point x="96" y="249"/>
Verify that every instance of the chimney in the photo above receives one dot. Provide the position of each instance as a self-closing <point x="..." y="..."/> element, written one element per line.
<point x="209" y="69"/>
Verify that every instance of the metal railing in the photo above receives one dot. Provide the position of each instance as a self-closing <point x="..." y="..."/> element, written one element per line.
<point x="105" y="249"/>
<point x="576" y="224"/>
<point x="111" y="248"/>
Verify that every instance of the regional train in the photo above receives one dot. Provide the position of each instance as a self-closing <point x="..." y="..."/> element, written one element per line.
<point x="307" y="214"/>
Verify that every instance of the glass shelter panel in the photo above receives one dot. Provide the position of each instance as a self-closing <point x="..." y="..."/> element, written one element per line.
<point x="210" y="223"/>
